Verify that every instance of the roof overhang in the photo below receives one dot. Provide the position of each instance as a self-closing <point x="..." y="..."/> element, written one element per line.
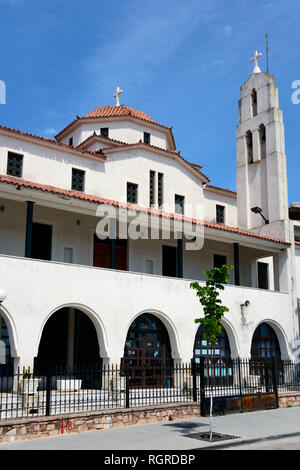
<point x="75" y="201"/>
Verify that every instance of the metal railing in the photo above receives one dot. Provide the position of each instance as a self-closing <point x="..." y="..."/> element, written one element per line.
<point x="56" y="391"/>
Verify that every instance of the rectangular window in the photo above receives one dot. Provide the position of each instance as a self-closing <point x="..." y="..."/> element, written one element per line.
<point x="152" y="189"/>
<point x="104" y="131"/>
<point x="14" y="164"/>
<point x="78" y="179"/>
<point x="297" y="238"/>
<point x="146" y="138"/>
<point x="220" y="214"/>
<point x="71" y="141"/>
<point x="160" y="190"/>
<point x="68" y="255"/>
<point x="219" y="261"/>
<point x="132" y="193"/>
<point x="179" y="204"/>
<point x="262" y="275"/>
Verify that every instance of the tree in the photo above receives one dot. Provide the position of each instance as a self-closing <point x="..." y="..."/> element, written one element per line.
<point x="213" y="311"/>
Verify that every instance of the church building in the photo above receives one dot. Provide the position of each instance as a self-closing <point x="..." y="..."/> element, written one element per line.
<point x="104" y="228"/>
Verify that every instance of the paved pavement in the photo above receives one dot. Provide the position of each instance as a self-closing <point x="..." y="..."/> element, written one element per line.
<point x="250" y="428"/>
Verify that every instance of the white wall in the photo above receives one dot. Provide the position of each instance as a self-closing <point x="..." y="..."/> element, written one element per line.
<point x="124" y="131"/>
<point x="36" y="289"/>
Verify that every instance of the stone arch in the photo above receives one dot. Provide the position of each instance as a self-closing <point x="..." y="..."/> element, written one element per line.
<point x="281" y="337"/>
<point x="91" y="314"/>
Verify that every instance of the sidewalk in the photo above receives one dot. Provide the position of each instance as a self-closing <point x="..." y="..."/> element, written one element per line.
<point x="169" y="435"/>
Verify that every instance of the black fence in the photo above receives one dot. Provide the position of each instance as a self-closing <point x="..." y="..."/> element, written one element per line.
<point x="57" y="391"/>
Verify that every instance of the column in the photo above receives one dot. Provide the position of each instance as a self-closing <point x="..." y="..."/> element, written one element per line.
<point x="28" y="241"/>
<point x="112" y="246"/>
<point x="236" y="264"/>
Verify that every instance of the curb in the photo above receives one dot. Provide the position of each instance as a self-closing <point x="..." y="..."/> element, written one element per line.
<point x="247" y="441"/>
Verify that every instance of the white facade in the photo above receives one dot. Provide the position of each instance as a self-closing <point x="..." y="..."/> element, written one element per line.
<point x="113" y="297"/>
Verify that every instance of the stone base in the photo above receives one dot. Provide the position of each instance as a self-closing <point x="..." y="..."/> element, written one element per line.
<point x="30" y="428"/>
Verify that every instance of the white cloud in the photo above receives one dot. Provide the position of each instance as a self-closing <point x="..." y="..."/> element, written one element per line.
<point x="145" y="41"/>
<point x="50" y="131"/>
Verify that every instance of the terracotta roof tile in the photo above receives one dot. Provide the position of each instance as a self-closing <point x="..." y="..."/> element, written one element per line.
<point x="100" y="200"/>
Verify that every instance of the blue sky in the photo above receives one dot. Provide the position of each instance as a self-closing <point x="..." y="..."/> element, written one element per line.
<point x="182" y="63"/>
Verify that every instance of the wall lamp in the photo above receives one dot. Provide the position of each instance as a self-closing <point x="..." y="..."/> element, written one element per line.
<point x="247" y="302"/>
<point x="258" y="210"/>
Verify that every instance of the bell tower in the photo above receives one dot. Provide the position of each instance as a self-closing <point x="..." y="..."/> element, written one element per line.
<point x="262" y="201"/>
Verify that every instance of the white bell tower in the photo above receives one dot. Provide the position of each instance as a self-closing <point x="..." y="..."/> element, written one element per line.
<point x="262" y="200"/>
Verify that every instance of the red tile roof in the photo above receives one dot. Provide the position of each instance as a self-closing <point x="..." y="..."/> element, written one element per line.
<point x="117" y="111"/>
<point x="62" y="146"/>
<point x="100" y="200"/>
<point x="109" y="111"/>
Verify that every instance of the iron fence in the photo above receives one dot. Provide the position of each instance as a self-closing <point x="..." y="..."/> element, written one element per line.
<point x="56" y="391"/>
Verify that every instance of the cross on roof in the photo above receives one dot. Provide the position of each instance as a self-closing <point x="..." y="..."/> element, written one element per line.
<point x="254" y="59"/>
<point x="116" y="95"/>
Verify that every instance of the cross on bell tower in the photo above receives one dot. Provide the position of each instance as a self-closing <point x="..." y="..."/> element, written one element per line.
<point x="116" y="95"/>
<point x="255" y="59"/>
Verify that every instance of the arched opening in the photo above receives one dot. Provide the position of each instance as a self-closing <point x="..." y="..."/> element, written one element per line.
<point x="264" y="347"/>
<point x="6" y="360"/>
<point x="265" y="342"/>
<point x="68" y="343"/>
<point x="220" y="354"/>
<point x="249" y="145"/>
<point x="147" y="353"/>
<point x="262" y="141"/>
<point x="254" y="102"/>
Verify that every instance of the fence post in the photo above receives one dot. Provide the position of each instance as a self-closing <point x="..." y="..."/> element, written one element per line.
<point x="240" y="383"/>
<point x="274" y="374"/>
<point x="127" y="404"/>
<point x="194" y="380"/>
<point x="202" y="388"/>
<point x="48" y="390"/>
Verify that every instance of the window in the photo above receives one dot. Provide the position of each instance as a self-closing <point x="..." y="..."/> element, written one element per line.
<point x="132" y="193"/>
<point x="249" y="147"/>
<point x="262" y="141"/>
<point x="14" y="164"/>
<point x="220" y="214"/>
<point x="152" y="189"/>
<point x="71" y="141"/>
<point x="104" y="131"/>
<point x="68" y="255"/>
<point x="219" y="261"/>
<point x="254" y="102"/>
<point x="262" y="275"/>
<point x="160" y="189"/>
<point x="297" y="238"/>
<point x="179" y="204"/>
<point x="146" y="138"/>
<point x="78" y="179"/>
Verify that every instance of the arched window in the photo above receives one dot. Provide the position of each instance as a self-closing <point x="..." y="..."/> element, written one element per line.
<point x="264" y="342"/>
<point x="254" y="102"/>
<point x="222" y="369"/>
<point x="249" y="146"/>
<point x="147" y="353"/>
<point x="202" y="348"/>
<point x="262" y="141"/>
